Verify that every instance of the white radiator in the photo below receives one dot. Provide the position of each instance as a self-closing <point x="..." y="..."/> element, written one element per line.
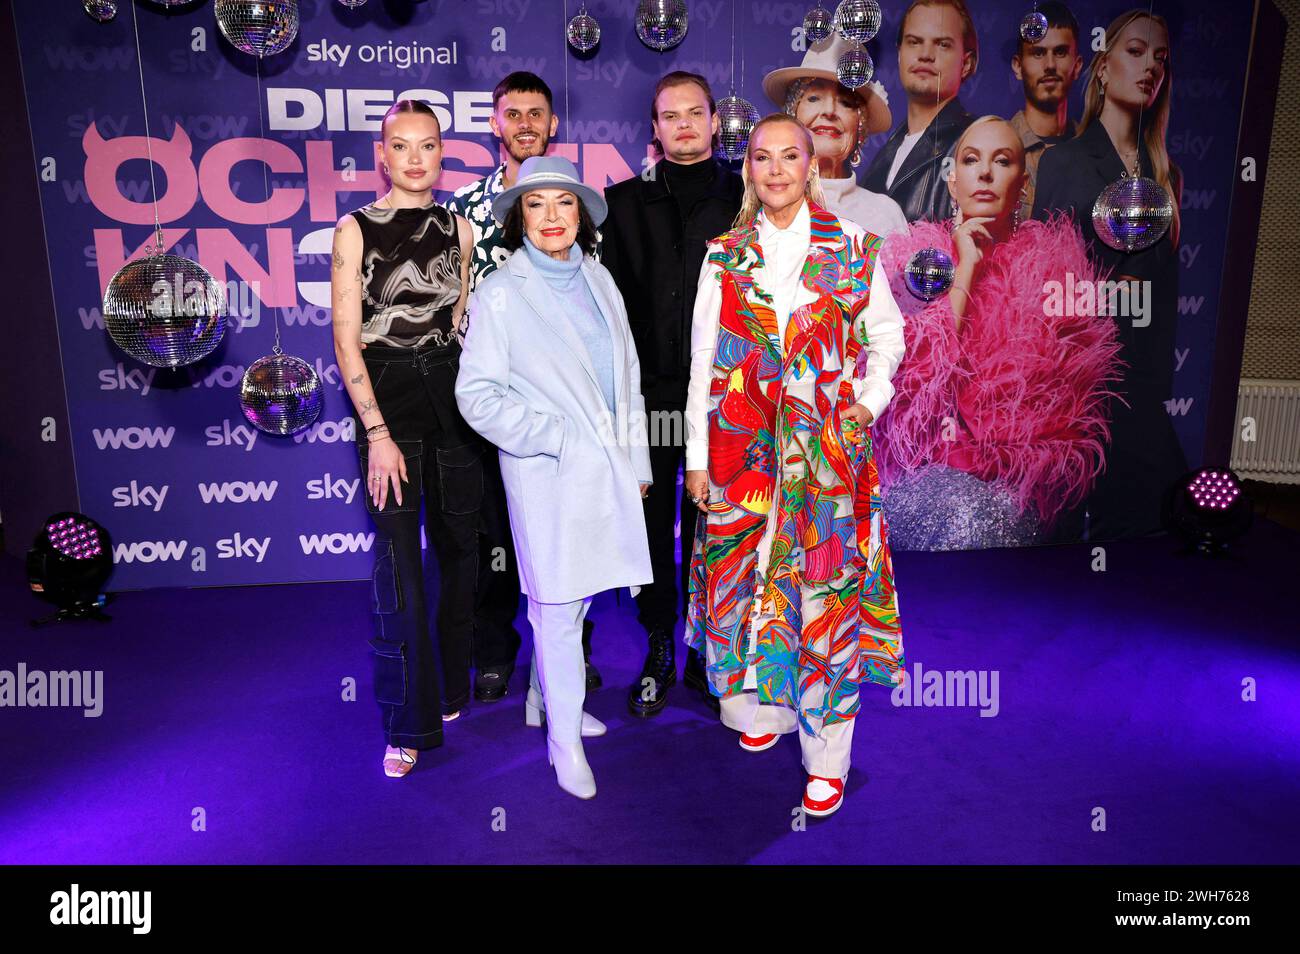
<point x="1274" y="454"/>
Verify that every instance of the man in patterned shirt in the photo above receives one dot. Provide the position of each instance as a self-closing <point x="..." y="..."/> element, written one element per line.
<point x="524" y="120"/>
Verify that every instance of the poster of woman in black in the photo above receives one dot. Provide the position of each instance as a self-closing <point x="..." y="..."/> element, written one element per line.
<point x="1125" y="115"/>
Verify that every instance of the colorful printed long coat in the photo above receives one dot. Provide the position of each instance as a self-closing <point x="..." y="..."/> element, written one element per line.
<point x="778" y="437"/>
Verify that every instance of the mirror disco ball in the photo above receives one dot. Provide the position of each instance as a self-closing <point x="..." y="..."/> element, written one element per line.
<point x="854" y="67"/>
<point x="583" y="32"/>
<point x="818" y="24"/>
<point x="928" y="273"/>
<point x="857" y="20"/>
<point x="281" y="394"/>
<point x="165" y="310"/>
<point x="736" y="119"/>
<point x="1033" y="27"/>
<point x="353" y="4"/>
<point x="661" y="24"/>
<point x="259" y="28"/>
<point x="101" y="10"/>
<point x="1132" y="213"/>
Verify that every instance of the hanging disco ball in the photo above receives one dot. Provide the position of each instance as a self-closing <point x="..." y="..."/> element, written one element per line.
<point x="101" y="10"/>
<point x="165" y="310"/>
<point x="857" y="21"/>
<point x="818" y="24"/>
<point x="171" y="3"/>
<point x="854" y="67"/>
<point x="583" y="31"/>
<point x="353" y="4"/>
<point x="661" y="24"/>
<point x="259" y="28"/>
<point x="281" y="394"/>
<point x="1033" y="27"/>
<point x="928" y="273"/>
<point x="736" y="119"/>
<point x="1132" y="213"/>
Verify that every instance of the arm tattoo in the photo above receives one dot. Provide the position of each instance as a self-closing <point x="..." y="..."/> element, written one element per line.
<point x="365" y="407"/>
<point x="338" y="260"/>
<point x="357" y="379"/>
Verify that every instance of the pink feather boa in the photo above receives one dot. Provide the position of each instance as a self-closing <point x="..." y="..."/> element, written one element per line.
<point x="1028" y="391"/>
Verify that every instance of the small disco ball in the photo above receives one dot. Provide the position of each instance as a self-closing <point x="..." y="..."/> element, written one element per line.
<point x="857" y="20"/>
<point x="259" y="28"/>
<point x="583" y="31"/>
<point x="736" y="119"/>
<point x="1132" y="213"/>
<point x="661" y="24"/>
<point x="281" y="394"/>
<point x="818" y="24"/>
<point x="165" y="310"/>
<point x="101" y="10"/>
<point x="170" y="3"/>
<point x="1033" y="27"/>
<point x="928" y="273"/>
<point x="854" y="67"/>
<point x="353" y="4"/>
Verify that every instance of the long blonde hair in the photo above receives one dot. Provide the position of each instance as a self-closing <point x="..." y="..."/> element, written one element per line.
<point x="1156" y="119"/>
<point x="812" y="191"/>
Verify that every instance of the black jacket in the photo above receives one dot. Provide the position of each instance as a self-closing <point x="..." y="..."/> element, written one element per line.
<point x="655" y="259"/>
<point x="920" y="188"/>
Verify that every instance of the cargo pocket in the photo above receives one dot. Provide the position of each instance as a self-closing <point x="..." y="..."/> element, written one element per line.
<point x="390" y="671"/>
<point x="460" y="478"/>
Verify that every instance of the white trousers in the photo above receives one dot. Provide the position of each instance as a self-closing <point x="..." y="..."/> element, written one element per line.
<point x="825" y="755"/>
<point x="559" y="671"/>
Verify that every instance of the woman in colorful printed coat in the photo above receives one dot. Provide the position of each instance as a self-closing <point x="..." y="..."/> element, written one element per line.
<point x="1000" y="423"/>
<point x="792" y="595"/>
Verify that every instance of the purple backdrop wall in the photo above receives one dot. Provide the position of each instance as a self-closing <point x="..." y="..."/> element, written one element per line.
<point x="192" y="494"/>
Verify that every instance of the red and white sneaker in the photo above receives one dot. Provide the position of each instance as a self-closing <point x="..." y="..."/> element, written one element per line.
<point x="822" y="796"/>
<point x="757" y="743"/>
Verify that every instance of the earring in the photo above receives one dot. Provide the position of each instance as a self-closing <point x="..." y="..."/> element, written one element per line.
<point x="956" y="213"/>
<point x="386" y="172"/>
<point x="1102" y="83"/>
<point x="855" y="160"/>
<point x="1015" y="216"/>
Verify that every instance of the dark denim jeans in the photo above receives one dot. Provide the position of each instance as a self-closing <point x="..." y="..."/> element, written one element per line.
<point x="422" y="671"/>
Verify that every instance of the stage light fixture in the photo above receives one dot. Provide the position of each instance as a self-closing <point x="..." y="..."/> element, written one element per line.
<point x="68" y="564"/>
<point x="1210" y="509"/>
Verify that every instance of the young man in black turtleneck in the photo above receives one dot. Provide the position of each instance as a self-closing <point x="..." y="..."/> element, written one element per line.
<point x="654" y="239"/>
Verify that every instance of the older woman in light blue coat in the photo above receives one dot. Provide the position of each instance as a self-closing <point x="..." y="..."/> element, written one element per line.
<point x="549" y="374"/>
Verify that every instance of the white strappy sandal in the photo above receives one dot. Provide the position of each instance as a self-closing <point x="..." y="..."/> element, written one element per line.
<point x="399" y="757"/>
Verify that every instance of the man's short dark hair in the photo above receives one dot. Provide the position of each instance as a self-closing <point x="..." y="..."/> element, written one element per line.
<point x="680" y="78"/>
<point x="512" y="229"/>
<point x="1058" y="16"/>
<point x="522" y="81"/>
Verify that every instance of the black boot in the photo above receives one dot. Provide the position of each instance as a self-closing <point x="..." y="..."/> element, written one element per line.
<point x="593" y="674"/>
<point x="693" y="677"/>
<point x="649" y="694"/>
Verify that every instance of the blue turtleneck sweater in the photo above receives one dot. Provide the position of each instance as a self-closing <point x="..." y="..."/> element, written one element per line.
<point x="570" y="286"/>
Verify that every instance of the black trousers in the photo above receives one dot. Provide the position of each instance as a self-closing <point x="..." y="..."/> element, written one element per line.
<point x="659" y="603"/>
<point x="423" y="671"/>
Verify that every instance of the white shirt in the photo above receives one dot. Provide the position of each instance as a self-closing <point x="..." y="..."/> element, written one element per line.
<point x="874" y="211"/>
<point x="904" y="148"/>
<point x="784" y="253"/>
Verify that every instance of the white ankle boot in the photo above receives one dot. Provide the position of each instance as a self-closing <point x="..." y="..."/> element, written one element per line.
<point x="535" y="715"/>
<point x="571" y="768"/>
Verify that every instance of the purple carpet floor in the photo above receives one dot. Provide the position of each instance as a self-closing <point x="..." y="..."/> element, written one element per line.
<point x="1121" y="734"/>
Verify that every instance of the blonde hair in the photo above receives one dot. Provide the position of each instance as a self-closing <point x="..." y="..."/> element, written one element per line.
<point x="1153" y="136"/>
<point x="750" y="204"/>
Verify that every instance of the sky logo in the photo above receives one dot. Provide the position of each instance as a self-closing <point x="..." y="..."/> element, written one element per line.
<point x="119" y="379"/>
<point x="137" y="495"/>
<point x="239" y="547"/>
<point x="223" y="435"/>
<point x="328" y="488"/>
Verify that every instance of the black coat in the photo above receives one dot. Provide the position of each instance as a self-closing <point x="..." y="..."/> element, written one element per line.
<point x="920" y="188"/>
<point x="1145" y="457"/>
<point x="655" y="259"/>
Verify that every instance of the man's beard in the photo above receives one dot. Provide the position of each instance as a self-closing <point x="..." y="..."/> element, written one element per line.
<point x="1047" y="102"/>
<point x="543" y="141"/>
